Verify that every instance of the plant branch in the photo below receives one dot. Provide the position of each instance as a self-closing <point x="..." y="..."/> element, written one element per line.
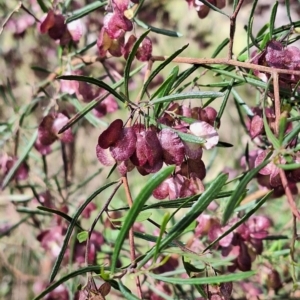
<point x="288" y="193"/>
<point x="15" y="10"/>
<point x="226" y="61"/>
<point x="276" y="100"/>
<point x="232" y="28"/>
<point x="131" y="234"/>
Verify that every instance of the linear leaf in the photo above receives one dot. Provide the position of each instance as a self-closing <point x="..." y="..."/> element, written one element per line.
<point x="240" y="189"/>
<point x="288" y="167"/>
<point x="87" y="9"/>
<point x="126" y="292"/>
<point x="59" y="213"/>
<point x="191" y="95"/>
<point x="66" y="278"/>
<point x="158" y="30"/>
<point x="137" y="206"/>
<point x="273" y="18"/>
<point x="129" y="62"/>
<point x="94" y="103"/>
<point x="189" y="201"/>
<point x="204" y="280"/>
<point x="198" y="207"/>
<point x="161" y="67"/>
<point x="292" y="134"/>
<point x="71" y="227"/>
<point x="94" y="81"/>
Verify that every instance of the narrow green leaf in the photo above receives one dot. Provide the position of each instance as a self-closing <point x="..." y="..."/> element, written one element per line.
<point x="137" y="206"/>
<point x="292" y="134"/>
<point x="164" y="89"/>
<point x="272" y="19"/>
<point x="93" y="120"/>
<point x="40" y="69"/>
<point x="270" y="135"/>
<point x="3" y="94"/>
<point x="263" y="29"/>
<point x="184" y="75"/>
<point x="288" y="10"/>
<point x="190" y="95"/>
<point x="85" y="48"/>
<point x="282" y="127"/>
<point x="220" y="47"/>
<point x="129" y="62"/>
<point x="11" y="228"/>
<point x="242" y="103"/>
<point x="126" y="292"/>
<point x="27" y="210"/>
<point x="71" y="227"/>
<point x="241" y="221"/>
<point x="65" y="278"/>
<point x="249" y="28"/>
<point x="93" y="81"/>
<point x="15" y="198"/>
<point x="198" y="207"/>
<point x="240" y="190"/>
<point x="150" y="238"/>
<point x="158" y="30"/>
<point x="224" y="103"/>
<point x="288" y="167"/>
<point x="143" y="216"/>
<point x="87" y="9"/>
<point x="224" y="145"/>
<point x="189" y="201"/>
<point x="94" y="103"/>
<point x="189" y="268"/>
<point x="17" y="164"/>
<point x="161" y="67"/>
<point x="163" y="227"/>
<point x="166" y="86"/>
<point x="82" y="236"/>
<point x="59" y="213"/>
<point x="204" y="280"/>
<point x="190" y="137"/>
<point x="42" y="5"/>
<point x="276" y="31"/>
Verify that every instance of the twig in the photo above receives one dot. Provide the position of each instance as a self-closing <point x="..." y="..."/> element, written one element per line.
<point x="276" y="100"/>
<point x="292" y="249"/>
<point x="226" y="61"/>
<point x="232" y="28"/>
<point x="104" y="208"/>
<point x="288" y="193"/>
<point x="16" y="9"/>
<point x="131" y="235"/>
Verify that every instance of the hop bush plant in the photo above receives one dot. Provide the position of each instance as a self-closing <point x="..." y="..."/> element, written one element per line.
<point x="138" y="172"/>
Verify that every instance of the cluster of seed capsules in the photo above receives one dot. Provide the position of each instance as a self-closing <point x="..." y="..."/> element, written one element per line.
<point x="147" y="148"/>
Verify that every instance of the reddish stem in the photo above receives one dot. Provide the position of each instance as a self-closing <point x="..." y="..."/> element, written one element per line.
<point x="131" y="235"/>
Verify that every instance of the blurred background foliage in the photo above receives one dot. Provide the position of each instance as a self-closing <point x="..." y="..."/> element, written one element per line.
<point x="27" y="59"/>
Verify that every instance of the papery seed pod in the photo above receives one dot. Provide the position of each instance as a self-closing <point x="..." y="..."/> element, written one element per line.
<point x="144" y="52"/>
<point x="110" y="136"/>
<point x="104" y="156"/>
<point x="128" y="46"/>
<point x="125" y="145"/>
<point x="273" y="280"/>
<point x="173" y="148"/>
<point x="226" y="290"/>
<point x="207" y="132"/>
